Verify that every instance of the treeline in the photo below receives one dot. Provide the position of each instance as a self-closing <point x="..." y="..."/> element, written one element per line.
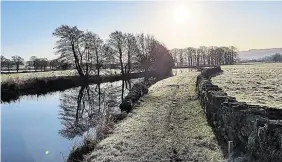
<point x="277" y="57"/>
<point x="15" y="61"/>
<point x="131" y="52"/>
<point x="37" y="64"/>
<point x="205" y="56"/>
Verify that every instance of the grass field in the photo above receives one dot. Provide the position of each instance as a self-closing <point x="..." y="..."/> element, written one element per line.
<point x="259" y="83"/>
<point x="25" y="76"/>
<point x="18" y="77"/>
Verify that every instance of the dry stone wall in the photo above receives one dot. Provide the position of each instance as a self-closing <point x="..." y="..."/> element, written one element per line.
<point x="256" y="131"/>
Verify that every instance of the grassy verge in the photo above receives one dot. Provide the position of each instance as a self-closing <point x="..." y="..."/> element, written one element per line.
<point x="103" y="129"/>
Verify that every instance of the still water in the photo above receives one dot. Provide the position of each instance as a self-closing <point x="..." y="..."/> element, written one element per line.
<point x="45" y="128"/>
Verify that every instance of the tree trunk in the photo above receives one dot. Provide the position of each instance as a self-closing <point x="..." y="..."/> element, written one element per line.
<point x="99" y="91"/>
<point x="120" y="59"/>
<point x="122" y="90"/>
<point x="97" y="63"/>
<point x="128" y="62"/>
<point x="34" y="66"/>
<point x="77" y="64"/>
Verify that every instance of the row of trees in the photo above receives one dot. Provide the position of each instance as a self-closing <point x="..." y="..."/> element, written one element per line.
<point x="34" y="63"/>
<point x="43" y="63"/>
<point x="205" y="56"/>
<point x="88" y="53"/>
<point x="15" y="61"/>
<point x="130" y="52"/>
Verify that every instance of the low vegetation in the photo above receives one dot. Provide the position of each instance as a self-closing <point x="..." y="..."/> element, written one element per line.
<point x="258" y="83"/>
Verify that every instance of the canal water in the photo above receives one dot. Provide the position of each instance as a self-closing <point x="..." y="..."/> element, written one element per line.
<point x="45" y="128"/>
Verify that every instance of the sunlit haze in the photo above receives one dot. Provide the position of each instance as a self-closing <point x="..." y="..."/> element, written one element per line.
<point x="27" y="26"/>
<point x="181" y="14"/>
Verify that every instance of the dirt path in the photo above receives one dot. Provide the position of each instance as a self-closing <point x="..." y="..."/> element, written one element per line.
<point x="168" y="125"/>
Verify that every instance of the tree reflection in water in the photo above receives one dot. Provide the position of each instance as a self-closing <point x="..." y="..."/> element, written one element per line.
<point x="90" y="106"/>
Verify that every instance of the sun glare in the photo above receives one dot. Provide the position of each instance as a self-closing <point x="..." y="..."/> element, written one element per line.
<point x="181" y="14"/>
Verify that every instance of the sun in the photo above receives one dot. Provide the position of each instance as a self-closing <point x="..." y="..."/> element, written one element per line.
<point x="181" y="14"/>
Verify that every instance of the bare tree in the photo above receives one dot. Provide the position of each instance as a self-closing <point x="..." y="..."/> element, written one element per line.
<point x="145" y="46"/>
<point x="117" y="43"/>
<point x="43" y="63"/>
<point x="94" y="52"/>
<point x="234" y="54"/>
<point x="203" y="50"/>
<point x="9" y="64"/>
<point x="131" y="49"/>
<point x="174" y="54"/>
<point x="3" y="62"/>
<point x="188" y="52"/>
<point x="54" y="64"/>
<point x="18" y="61"/>
<point x="71" y="45"/>
<point x="29" y="65"/>
<point x="33" y="59"/>
<point x="181" y="58"/>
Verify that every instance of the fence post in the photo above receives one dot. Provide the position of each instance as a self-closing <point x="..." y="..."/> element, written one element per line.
<point x="230" y="147"/>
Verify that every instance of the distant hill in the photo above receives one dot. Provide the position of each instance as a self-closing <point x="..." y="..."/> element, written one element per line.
<point x="258" y="53"/>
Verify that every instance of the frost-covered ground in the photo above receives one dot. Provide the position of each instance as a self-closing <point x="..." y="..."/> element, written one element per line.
<point x="167" y="125"/>
<point x="259" y="83"/>
<point x="15" y="77"/>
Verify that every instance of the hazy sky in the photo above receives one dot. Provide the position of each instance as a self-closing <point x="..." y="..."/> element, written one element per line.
<point x="27" y="26"/>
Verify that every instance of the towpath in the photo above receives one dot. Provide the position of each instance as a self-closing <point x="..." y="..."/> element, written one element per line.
<point x="167" y="125"/>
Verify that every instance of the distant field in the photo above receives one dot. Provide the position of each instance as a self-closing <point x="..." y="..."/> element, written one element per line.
<point x="18" y="77"/>
<point x="260" y="83"/>
<point x="25" y="76"/>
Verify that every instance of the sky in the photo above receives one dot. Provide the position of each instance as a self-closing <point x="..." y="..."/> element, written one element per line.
<point x="26" y="27"/>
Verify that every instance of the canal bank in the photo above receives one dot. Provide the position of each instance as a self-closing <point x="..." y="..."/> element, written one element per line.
<point x="168" y="125"/>
<point x="11" y="91"/>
